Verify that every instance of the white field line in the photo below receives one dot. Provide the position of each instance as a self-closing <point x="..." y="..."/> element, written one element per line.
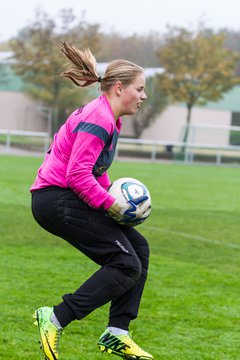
<point x="193" y="237"/>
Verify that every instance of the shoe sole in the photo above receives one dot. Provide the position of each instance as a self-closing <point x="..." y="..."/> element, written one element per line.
<point x="107" y="350"/>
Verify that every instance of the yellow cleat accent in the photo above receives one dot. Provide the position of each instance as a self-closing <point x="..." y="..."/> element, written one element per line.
<point x="49" y="333"/>
<point x="122" y="345"/>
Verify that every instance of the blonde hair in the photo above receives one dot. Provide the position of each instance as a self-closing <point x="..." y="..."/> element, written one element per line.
<point x="82" y="69"/>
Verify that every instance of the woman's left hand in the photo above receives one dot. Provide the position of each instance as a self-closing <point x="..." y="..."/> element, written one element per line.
<point x="116" y="211"/>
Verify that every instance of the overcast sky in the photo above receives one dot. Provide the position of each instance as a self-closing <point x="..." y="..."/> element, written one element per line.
<point x="125" y="16"/>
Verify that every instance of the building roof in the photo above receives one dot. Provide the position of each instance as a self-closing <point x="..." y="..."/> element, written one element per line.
<point x="101" y="67"/>
<point x="230" y="101"/>
<point x="9" y="81"/>
<point x="5" y="57"/>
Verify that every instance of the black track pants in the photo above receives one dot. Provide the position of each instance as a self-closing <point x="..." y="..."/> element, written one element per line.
<point x="121" y="252"/>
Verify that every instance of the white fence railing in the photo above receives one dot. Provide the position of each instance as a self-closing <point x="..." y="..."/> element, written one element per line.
<point x="179" y="151"/>
<point x="152" y="150"/>
<point x="8" y="137"/>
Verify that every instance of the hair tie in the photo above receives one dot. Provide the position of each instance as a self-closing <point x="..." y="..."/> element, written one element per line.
<point x="99" y="79"/>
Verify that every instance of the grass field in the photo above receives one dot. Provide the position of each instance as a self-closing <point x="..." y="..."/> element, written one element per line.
<point x="191" y="304"/>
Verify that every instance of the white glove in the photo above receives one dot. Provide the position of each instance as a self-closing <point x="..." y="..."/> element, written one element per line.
<point x="117" y="210"/>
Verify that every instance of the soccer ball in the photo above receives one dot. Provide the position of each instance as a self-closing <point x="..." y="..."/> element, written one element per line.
<point x="135" y="196"/>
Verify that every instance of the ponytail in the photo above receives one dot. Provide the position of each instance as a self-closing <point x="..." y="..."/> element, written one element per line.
<point x="82" y="69"/>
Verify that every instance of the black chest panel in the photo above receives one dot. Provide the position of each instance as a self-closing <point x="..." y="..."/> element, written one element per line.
<point x="106" y="157"/>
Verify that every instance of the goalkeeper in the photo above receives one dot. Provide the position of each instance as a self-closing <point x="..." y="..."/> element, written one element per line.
<point x="70" y="200"/>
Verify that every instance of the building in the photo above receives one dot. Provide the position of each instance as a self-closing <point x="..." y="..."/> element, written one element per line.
<point x="210" y="122"/>
<point x="20" y="112"/>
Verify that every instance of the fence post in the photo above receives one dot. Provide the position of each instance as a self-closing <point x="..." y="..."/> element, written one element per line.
<point x="154" y="151"/>
<point x="186" y="153"/>
<point x="219" y="156"/>
<point x="117" y="152"/>
<point x="8" y="140"/>
<point x="46" y="144"/>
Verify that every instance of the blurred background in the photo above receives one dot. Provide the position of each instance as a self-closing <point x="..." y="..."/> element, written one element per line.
<point x="190" y="54"/>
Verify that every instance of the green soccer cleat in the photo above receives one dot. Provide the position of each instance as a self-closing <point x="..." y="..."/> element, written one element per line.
<point x="122" y="345"/>
<point x="49" y="333"/>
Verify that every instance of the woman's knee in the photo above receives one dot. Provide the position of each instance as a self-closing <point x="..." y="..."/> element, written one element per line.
<point x="136" y="268"/>
<point x="132" y="271"/>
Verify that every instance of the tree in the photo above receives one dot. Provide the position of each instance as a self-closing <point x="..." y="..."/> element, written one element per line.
<point x="153" y="106"/>
<point x="135" y="48"/>
<point x="232" y="42"/>
<point x="39" y="62"/>
<point x="197" y="67"/>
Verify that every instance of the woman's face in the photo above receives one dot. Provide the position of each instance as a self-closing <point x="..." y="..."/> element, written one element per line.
<point x="133" y="95"/>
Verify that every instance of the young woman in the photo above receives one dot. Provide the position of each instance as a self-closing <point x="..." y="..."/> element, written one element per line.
<point x="70" y="200"/>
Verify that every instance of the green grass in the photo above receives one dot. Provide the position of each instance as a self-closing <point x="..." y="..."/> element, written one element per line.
<point x="190" y="308"/>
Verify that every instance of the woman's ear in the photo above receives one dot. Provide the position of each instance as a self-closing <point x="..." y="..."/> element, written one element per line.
<point x="118" y="88"/>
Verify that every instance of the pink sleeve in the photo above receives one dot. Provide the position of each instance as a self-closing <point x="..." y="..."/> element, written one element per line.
<point x="80" y="179"/>
<point x="104" y="180"/>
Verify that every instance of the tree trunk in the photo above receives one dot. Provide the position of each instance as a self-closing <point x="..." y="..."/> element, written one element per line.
<point x="189" y="111"/>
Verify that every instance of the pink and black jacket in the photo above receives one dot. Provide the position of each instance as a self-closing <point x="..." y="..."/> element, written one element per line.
<point x="81" y="152"/>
